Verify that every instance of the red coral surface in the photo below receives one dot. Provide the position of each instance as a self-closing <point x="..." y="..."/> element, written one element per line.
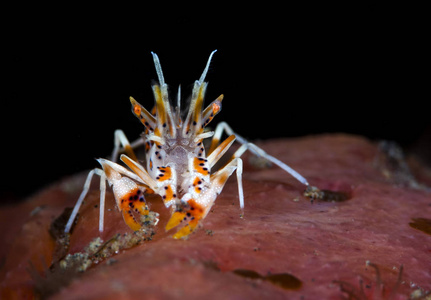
<point x="316" y="250"/>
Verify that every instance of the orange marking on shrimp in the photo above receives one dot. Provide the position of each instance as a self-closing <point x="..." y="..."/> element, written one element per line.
<point x="143" y="115"/>
<point x="131" y="202"/>
<point x="196" y="184"/>
<point x="222" y="178"/>
<point x="134" y="200"/>
<point x="216" y="108"/>
<point x="216" y="152"/>
<point x="212" y="110"/>
<point x="130" y="220"/>
<point x="129" y="151"/>
<point x="196" y="209"/>
<point x="157" y="133"/>
<point x="186" y="230"/>
<point x="200" y="165"/>
<point x="137" y="110"/>
<point x="163" y="112"/>
<point x="192" y="216"/>
<point x="176" y="218"/>
<point x="147" y="146"/>
<point x="169" y="194"/>
<point x="165" y="173"/>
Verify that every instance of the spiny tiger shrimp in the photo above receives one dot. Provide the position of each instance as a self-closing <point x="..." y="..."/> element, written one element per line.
<point x="177" y="165"/>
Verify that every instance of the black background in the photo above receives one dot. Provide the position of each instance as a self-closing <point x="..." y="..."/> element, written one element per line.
<point x="285" y="71"/>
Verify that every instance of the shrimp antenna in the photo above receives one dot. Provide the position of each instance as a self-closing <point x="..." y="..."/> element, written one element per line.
<point x="204" y="74"/>
<point x="179" y="97"/>
<point x="158" y="69"/>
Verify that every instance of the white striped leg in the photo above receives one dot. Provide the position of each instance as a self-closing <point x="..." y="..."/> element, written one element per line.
<point x="224" y="127"/>
<point x="239" y="181"/>
<point x="84" y="193"/>
<point x="220" y="177"/>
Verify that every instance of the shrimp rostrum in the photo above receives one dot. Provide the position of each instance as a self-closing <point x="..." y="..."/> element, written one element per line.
<point x="177" y="166"/>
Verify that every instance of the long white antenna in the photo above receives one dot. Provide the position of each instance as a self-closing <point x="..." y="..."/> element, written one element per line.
<point x="178" y="108"/>
<point x="204" y="74"/>
<point x="158" y="69"/>
<point x="179" y="97"/>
